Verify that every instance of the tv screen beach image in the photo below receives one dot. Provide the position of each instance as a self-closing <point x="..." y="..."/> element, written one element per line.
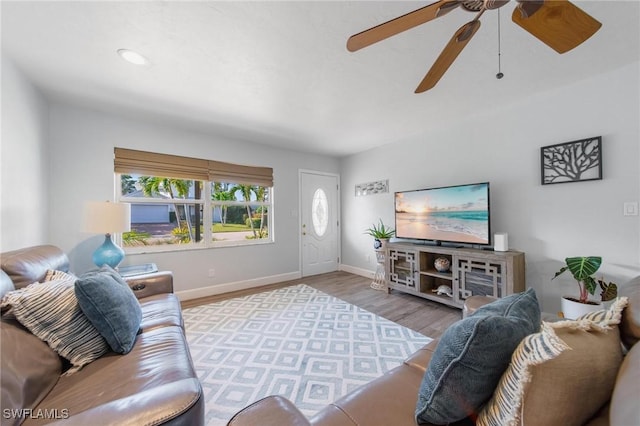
<point x="452" y="214"/>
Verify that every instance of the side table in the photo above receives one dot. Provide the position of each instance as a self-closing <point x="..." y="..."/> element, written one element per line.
<point x="379" y="282"/>
<point x="133" y="270"/>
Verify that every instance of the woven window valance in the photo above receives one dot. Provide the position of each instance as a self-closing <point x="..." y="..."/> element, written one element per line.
<point x="175" y="166"/>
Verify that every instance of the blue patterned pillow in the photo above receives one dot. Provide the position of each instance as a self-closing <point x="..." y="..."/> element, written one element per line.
<point x="471" y="357"/>
<point x="113" y="309"/>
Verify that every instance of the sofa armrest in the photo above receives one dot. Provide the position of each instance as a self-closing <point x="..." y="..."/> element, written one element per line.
<point x="270" y="411"/>
<point x="149" y="284"/>
<point x="474" y="302"/>
<point x="624" y="405"/>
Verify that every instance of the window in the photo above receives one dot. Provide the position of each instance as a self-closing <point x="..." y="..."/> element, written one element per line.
<point x="180" y="202"/>
<point x="319" y="215"/>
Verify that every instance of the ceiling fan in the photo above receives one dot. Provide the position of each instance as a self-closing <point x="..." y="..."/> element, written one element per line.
<point x="559" y="24"/>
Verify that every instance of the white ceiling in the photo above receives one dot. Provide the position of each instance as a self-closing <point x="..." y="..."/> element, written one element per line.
<point x="279" y="72"/>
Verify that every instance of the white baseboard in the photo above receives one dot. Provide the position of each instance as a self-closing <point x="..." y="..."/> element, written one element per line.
<point x="358" y="271"/>
<point x="235" y="286"/>
<point x="259" y="282"/>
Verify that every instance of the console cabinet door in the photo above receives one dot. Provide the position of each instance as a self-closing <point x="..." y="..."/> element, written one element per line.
<point x="480" y="277"/>
<point x="402" y="268"/>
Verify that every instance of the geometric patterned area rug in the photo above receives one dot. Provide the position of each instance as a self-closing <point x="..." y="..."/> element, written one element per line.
<point x="295" y="341"/>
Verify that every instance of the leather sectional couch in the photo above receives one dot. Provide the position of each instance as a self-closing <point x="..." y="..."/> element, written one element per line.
<point x="391" y="399"/>
<point x="153" y="384"/>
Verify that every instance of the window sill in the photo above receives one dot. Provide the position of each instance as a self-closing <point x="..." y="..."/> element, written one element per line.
<point x="169" y="248"/>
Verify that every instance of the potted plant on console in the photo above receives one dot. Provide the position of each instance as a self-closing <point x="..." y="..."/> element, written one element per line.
<point x="583" y="268"/>
<point x="380" y="233"/>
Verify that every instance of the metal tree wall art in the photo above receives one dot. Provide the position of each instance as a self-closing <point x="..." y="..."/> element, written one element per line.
<point x="575" y="161"/>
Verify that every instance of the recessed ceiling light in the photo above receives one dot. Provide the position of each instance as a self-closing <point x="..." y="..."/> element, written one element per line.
<point x="133" y="57"/>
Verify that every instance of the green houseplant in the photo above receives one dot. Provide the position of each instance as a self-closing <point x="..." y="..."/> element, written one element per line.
<point x="583" y="268"/>
<point x="379" y="232"/>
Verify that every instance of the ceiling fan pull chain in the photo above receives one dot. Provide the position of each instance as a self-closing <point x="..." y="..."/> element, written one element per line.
<point x="499" y="75"/>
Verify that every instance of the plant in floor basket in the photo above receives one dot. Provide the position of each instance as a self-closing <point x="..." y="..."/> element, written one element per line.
<point x="380" y="233"/>
<point x="583" y="268"/>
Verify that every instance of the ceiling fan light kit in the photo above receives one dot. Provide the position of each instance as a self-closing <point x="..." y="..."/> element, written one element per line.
<point x="559" y="24"/>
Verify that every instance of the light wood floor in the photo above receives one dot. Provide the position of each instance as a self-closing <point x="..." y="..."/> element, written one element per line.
<point x="423" y="316"/>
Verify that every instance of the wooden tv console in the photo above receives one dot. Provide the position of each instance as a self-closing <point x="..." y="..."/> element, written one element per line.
<point x="410" y="269"/>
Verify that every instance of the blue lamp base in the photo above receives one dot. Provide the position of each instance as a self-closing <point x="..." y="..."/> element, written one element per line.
<point x="108" y="253"/>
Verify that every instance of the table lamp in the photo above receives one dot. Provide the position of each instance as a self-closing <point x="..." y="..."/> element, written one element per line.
<point x="104" y="217"/>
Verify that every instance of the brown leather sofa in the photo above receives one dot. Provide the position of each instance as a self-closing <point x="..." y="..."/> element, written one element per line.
<point x="154" y="384"/>
<point x="391" y="399"/>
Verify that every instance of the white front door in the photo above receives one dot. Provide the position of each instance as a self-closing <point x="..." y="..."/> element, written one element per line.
<point x="319" y="222"/>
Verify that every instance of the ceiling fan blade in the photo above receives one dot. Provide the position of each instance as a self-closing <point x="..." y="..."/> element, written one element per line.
<point x="448" y="55"/>
<point x="400" y="24"/>
<point x="559" y="24"/>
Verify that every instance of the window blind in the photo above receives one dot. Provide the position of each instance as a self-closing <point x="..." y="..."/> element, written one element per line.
<point x="150" y="163"/>
<point x="226" y="172"/>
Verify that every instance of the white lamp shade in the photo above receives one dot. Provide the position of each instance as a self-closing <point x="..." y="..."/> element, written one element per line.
<point x="103" y="217"/>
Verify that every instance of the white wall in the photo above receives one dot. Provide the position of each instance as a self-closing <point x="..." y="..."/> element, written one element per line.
<point x="81" y="146"/>
<point x="56" y="157"/>
<point x="23" y="162"/>
<point x="502" y="146"/>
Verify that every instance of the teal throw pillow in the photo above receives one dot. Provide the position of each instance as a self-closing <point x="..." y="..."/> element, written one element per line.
<point x="110" y="305"/>
<point x="472" y="355"/>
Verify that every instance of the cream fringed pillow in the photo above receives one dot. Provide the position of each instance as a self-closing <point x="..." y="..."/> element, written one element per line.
<point x="561" y="375"/>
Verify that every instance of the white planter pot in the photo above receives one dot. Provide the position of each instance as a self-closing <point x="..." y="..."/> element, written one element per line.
<point x="380" y="243"/>
<point x="573" y="310"/>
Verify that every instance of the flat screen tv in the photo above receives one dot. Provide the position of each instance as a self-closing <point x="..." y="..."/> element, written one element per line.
<point x="453" y="214"/>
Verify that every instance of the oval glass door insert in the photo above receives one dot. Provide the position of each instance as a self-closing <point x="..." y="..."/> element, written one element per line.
<point x="319" y="209"/>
